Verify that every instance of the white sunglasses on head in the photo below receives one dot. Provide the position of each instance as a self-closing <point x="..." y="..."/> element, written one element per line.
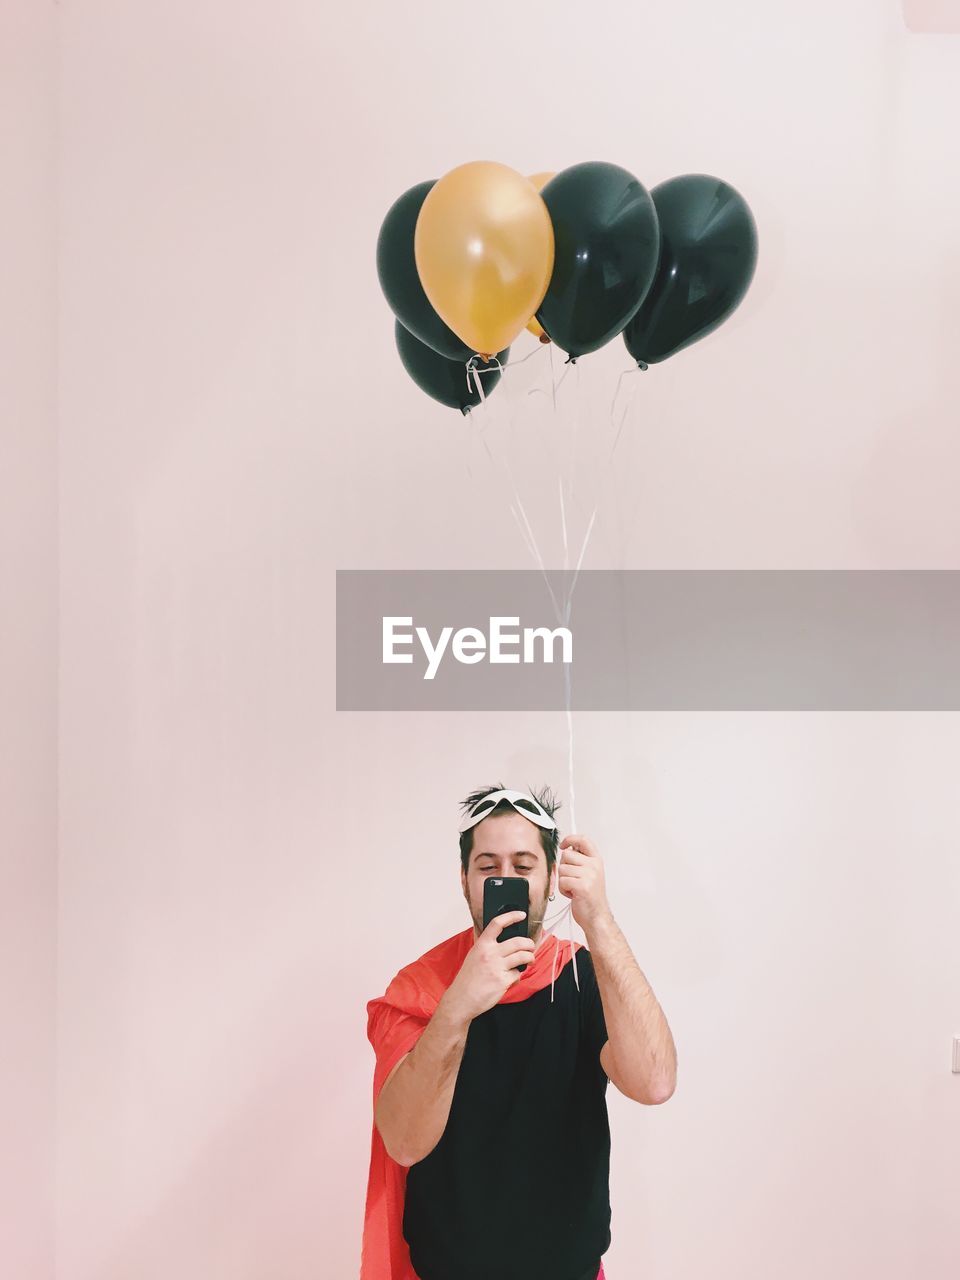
<point x="524" y="804"/>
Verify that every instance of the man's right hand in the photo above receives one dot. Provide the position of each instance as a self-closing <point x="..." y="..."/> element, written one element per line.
<point x="489" y="969"/>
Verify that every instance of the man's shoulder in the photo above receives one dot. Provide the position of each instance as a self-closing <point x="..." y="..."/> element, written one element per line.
<point x="584" y="961"/>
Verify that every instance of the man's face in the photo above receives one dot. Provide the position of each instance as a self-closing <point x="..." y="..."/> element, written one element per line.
<point x="507" y="845"/>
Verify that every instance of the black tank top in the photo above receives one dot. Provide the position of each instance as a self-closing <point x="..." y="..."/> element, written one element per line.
<point x="517" y="1188"/>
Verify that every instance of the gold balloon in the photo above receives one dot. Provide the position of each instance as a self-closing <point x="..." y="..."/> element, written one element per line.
<point x="539" y="180"/>
<point x="484" y="251"/>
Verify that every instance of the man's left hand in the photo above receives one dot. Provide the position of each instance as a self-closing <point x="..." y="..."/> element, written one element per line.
<point x="582" y="881"/>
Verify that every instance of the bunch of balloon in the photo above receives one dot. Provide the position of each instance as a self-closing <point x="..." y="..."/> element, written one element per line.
<point x="577" y="257"/>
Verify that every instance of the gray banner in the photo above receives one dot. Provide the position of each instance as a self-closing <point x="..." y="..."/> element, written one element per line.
<point x="711" y="640"/>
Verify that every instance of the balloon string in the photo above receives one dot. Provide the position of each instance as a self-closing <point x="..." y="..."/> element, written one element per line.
<point x="563" y="524"/>
<point x="523" y="359"/>
<point x="519" y="513"/>
<point x="525" y="526"/>
<point x="566" y="912"/>
<point x="601" y="486"/>
<point x="574" y="435"/>
<point x="567" y="689"/>
<point x="523" y="533"/>
<point x="568" y="604"/>
<point x="625" y="374"/>
<point x="475" y="371"/>
<point x="568" y="909"/>
<point x="518" y="510"/>
<point x="561" y="380"/>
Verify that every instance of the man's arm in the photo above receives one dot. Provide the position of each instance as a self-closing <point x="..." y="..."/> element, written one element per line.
<point x="414" y="1101"/>
<point x="640" y="1056"/>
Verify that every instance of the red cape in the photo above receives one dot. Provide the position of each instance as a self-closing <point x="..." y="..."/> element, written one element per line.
<point x="394" y="1023"/>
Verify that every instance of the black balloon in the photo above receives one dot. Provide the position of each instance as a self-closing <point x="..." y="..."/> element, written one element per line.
<point x="708" y="254"/>
<point x="446" y="380"/>
<point x="400" y="280"/>
<point x="606" y="243"/>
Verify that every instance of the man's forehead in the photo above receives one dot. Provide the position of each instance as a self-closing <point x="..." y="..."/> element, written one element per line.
<point x="514" y="851"/>
<point x="506" y="834"/>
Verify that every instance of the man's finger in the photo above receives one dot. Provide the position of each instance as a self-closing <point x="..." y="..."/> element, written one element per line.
<point x="580" y="843"/>
<point x="499" y="923"/>
<point x="573" y="857"/>
<point x="516" y="944"/>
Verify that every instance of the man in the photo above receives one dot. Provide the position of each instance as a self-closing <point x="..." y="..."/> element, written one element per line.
<point x="490" y="1148"/>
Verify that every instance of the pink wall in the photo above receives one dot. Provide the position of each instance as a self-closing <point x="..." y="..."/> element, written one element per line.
<point x="235" y="859"/>
<point x="28" y="637"/>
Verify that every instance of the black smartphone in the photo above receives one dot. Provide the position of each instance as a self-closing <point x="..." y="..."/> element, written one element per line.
<point x="507" y="893"/>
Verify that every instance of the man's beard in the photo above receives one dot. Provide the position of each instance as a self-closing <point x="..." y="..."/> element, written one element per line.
<point x="535" y="915"/>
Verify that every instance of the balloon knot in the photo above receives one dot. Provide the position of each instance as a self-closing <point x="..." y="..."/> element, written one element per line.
<point x="570" y="360"/>
<point x="642" y="364"/>
<point x="544" y="338"/>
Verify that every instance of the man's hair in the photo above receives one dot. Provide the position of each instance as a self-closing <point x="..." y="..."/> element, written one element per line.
<point x="544" y="796"/>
